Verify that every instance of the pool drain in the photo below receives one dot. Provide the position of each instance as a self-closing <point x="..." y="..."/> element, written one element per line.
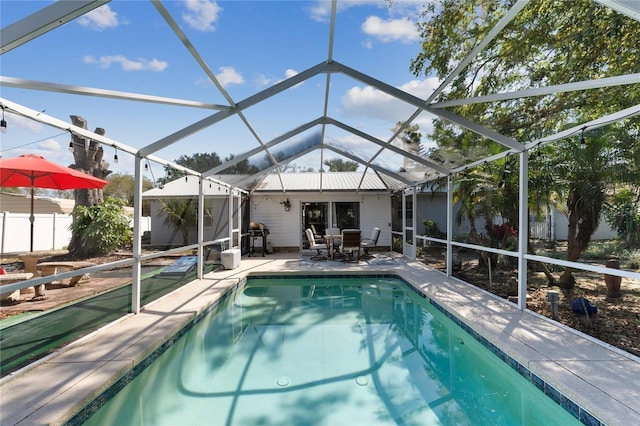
<point x="362" y="381"/>
<point x="283" y="381"/>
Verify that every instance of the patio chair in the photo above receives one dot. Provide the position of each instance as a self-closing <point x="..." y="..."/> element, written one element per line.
<point x="316" y="236"/>
<point x="350" y="243"/>
<point x="370" y="242"/>
<point x="313" y="245"/>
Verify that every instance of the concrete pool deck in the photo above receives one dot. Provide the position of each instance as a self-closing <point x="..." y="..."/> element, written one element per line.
<point x="601" y="379"/>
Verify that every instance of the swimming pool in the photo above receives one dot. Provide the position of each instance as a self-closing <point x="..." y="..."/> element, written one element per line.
<point x="321" y="350"/>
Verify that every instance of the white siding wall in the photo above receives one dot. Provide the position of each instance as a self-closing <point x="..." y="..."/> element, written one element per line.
<point x="286" y="227"/>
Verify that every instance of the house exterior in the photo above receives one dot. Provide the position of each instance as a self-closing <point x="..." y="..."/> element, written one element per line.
<point x="344" y="199"/>
<point x="216" y="217"/>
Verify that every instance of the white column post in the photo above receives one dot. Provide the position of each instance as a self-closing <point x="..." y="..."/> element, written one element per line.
<point x="200" y="227"/>
<point x="4" y="231"/>
<point x="523" y="229"/>
<point x="404" y="220"/>
<point x="449" y="225"/>
<point x="230" y="218"/>
<point x="414" y="221"/>
<point x="137" y="236"/>
<point x="240" y="222"/>
<point x="53" y="229"/>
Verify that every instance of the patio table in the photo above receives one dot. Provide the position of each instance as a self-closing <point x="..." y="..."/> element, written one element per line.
<point x="331" y="241"/>
<point x="31" y="259"/>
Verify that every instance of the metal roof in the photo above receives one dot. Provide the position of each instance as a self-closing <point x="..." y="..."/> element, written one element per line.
<point x="337" y="181"/>
<point x="271" y="155"/>
<point x="294" y="182"/>
<point x="186" y="187"/>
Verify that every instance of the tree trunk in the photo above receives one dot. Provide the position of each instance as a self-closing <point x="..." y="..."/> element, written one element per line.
<point x="543" y="266"/>
<point x="584" y="217"/>
<point x="87" y="157"/>
<point x="475" y="239"/>
<point x="567" y="281"/>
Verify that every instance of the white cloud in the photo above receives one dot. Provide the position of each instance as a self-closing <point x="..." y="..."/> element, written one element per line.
<point x="263" y="80"/>
<point x="15" y="120"/>
<point x="420" y="88"/>
<point x="391" y="30"/>
<point x="320" y="10"/>
<point x="99" y="19"/>
<point x="126" y="64"/>
<point x="201" y="14"/>
<point x="50" y="144"/>
<point x="290" y="73"/>
<point x="228" y="75"/>
<point x="372" y="103"/>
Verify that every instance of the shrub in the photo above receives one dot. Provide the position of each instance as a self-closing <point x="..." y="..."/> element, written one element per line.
<point x="432" y="229"/>
<point x="623" y="215"/>
<point x="101" y="228"/>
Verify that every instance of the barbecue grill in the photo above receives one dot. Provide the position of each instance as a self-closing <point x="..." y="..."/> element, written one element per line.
<point x="256" y="230"/>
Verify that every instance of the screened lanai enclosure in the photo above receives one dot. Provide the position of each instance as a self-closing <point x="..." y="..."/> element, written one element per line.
<point x="504" y="134"/>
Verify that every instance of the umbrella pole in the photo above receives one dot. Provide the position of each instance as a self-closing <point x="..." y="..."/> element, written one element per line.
<point x="31" y="217"/>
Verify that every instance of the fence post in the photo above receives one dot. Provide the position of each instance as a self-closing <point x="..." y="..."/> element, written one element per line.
<point x="4" y="230"/>
<point x="53" y="239"/>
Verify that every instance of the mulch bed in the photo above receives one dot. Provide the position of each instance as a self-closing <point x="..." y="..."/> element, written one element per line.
<point x="615" y="323"/>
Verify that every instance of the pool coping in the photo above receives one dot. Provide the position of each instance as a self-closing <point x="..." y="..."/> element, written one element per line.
<point x="582" y="374"/>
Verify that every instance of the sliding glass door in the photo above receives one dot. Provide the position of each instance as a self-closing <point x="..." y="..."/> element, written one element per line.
<point x="346" y="215"/>
<point x="319" y="216"/>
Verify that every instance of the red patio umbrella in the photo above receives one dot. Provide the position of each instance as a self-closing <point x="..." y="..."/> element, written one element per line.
<point x="34" y="171"/>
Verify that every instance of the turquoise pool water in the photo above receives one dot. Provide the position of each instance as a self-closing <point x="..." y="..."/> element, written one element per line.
<point x="329" y="351"/>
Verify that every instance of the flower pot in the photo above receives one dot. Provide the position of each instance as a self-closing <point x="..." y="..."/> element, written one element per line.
<point x="613" y="282"/>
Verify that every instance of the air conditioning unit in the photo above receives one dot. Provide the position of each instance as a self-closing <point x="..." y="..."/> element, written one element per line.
<point x="230" y="258"/>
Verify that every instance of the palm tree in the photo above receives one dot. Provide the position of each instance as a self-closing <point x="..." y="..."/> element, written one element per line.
<point x="583" y="173"/>
<point x="181" y="215"/>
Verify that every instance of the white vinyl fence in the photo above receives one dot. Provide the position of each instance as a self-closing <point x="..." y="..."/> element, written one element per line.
<point x="555" y="227"/>
<point x="50" y="231"/>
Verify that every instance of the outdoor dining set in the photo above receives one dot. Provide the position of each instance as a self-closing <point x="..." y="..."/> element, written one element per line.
<point x="346" y="244"/>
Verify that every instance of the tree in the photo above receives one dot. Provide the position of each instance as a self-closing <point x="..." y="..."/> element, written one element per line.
<point x="121" y="186"/>
<point x="585" y="174"/>
<point x="339" y="165"/>
<point x="200" y="162"/>
<point x="87" y="156"/>
<point x="180" y="215"/>
<point x="241" y="168"/>
<point x="409" y="140"/>
<point x="547" y="43"/>
<point x="623" y="215"/>
<point x="294" y="168"/>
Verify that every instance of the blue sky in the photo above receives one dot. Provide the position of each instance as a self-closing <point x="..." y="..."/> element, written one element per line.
<point x="127" y="46"/>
